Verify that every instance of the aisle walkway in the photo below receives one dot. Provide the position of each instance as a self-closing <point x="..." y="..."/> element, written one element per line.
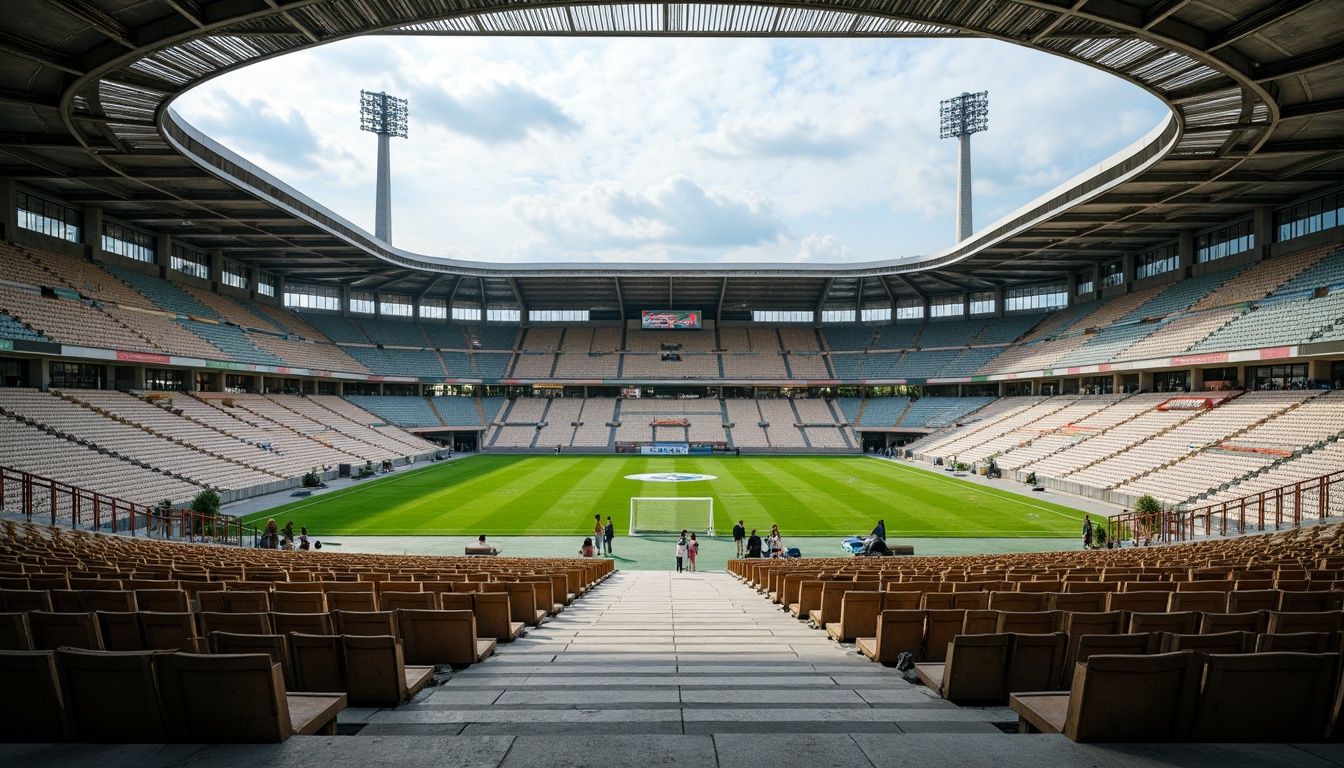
<point x="658" y="669"/>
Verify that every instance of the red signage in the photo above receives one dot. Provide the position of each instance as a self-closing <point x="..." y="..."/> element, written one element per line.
<point x="1213" y="357"/>
<point x="142" y="357"/>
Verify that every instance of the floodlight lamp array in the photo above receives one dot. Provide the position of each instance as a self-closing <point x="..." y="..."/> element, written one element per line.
<point x="383" y="114"/>
<point x="963" y="115"/>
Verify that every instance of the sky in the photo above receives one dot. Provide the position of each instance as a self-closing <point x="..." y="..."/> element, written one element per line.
<point x="671" y="150"/>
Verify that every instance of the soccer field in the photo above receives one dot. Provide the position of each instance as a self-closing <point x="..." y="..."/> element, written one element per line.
<point x="558" y="496"/>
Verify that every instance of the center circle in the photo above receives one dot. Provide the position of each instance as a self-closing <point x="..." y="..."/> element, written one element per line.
<point x="670" y="477"/>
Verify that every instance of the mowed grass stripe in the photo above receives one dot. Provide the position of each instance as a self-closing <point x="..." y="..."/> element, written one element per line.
<point x="558" y="495"/>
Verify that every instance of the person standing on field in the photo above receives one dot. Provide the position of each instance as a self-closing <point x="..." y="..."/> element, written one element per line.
<point x="599" y="532"/>
<point x="740" y="537"/>
<point x="608" y="534"/>
<point x="681" y="550"/>
<point x="753" y="544"/>
<point x="692" y="549"/>
<point x="1087" y="531"/>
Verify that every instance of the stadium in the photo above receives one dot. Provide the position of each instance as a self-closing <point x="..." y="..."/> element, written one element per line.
<point x="1157" y="344"/>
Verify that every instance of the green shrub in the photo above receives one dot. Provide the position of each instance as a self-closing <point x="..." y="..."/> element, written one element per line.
<point x="206" y="503"/>
<point x="312" y="479"/>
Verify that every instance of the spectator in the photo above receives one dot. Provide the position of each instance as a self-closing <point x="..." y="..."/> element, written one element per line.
<point x="1087" y="531"/>
<point x="753" y="544"/>
<point x="598" y="531"/>
<point x="740" y="537"/>
<point x="587" y="549"/>
<point x="776" y="542"/>
<point x="304" y="544"/>
<point x="692" y="549"/>
<point x="609" y="533"/>
<point x="270" y="538"/>
<point x="880" y="530"/>
<point x="681" y="549"/>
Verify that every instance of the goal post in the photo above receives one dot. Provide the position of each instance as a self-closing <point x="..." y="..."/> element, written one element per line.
<point x="671" y="514"/>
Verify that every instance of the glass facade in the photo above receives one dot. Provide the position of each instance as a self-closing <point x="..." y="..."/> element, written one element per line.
<point x="131" y="243"/>
<point x="1032" y="297"/>
<point x="1224" y="242"/>
<point x="38" y="214"/>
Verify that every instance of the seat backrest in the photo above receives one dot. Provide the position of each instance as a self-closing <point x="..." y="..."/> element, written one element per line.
<point x="465" y="601"/>
<point x="438" y="637"/>
<point x="319" y="666"/>
<point x="1319" y="600"/>
<point x="940" y="626"/>
<point x="1028" y="622"/>
<point x="1286" y="622"/>
<point x="31" y="709"/>
<point x="809" y="595"/>
<point x="1148" y="698"/>
<point x="120" y="630"/>
<point x="64" y="630"/>
<point x="1222" y="642"/>
<point x="1245" y="600"/>
<point x="366" y="623"/>
<point x="304" y="623"/>
<point x="391" y="601"/>
<point x="901" y="601"/>
<point x="1214" y="623"/>
<point x="23" y="600"/>
<point x="111" y="696"/>
<point x="1294" y="642"/>
<point x="523" y="602"/>
<point x="858" y="613"/>
<point x="1180" y="622"/>
<point x="1203" y="602"/>
<point x="1138" y="602"/>
<point x="236" y="698"/>
<point x="491" y="611"/>
<point x="116" y="600"/>
<point x="1088" y="602"/>
<point x="980" y="622"/>
<point x="284" y="601"/>
<point x="247" y="601"/>
<point x="271" y="645"/>
<point x="165" y="600"/>
<point x="211" y="601"/>
<point x="241" y="623"/>
<point x="162" y="631"/>
<point x="938" y="601"/>
<point x="1280" y="697"/>
<point x="1083" y="646"/>
<point x="1017" y="601"/>
<point x="975" y="668"/>
<point x="374" y="669"/>
<point x="14" y="632"/>
<point x="351" y="601"/>
<point x="1035" y="661"/>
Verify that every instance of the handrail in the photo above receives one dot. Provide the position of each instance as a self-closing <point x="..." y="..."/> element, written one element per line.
<point x="32" y="495"/>
<point x="1285" y="505"/>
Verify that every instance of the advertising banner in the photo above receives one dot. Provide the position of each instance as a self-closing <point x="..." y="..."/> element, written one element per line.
<point x="665" y="449"/>
<point x="670" y="319"/>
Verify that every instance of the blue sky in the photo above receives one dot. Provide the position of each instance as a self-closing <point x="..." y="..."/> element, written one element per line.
<point x="550" y="149"/>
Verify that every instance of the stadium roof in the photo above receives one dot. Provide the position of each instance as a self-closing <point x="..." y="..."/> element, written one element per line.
<point x="1256" y="89"/>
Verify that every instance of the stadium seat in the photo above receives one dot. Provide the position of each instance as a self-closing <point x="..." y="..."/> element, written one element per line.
<point x="443" y="637"/>
<point x="1266" y="696"/>
<point x="376" y="673"/>
<point x="111" y="697"/>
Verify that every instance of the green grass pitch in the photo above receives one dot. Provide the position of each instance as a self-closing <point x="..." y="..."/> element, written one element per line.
<point x="558" y="496"/>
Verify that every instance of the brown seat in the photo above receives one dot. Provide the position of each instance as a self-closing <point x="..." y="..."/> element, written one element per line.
<point x="24" y="600"/>
<point x="940" y="626"/>
<point x="318" y="663"/>
<point x="442" y="637"/>
<point x="303" y="623"/>
<point x="1117" y="698"/>
<point x="14" y="632"/>
<point x="1181" y="622"/>
<point x="163" y="631"/>
<point x="1216" y="623"/>
<point x="898" y="631"/>
<point x="284" y="601"/>
<point x="162" y="600"/>
<point x="1223" y="642"/>
<point x="361" y="602"/>
<point x="1313" y="601"/>
<point x="492" y="616"/>
<point x="64" y="630"/>
<point x="1283" y="622"/>
<point x="113" y="600"/>
<point x="523" y="604"/>
<point x="120" y="630"/>
<point x="1035" y="661"/>
<point x="1280" y="697"/>
<point x="391" y="601"/>
<point x="979" y="622"/>
<point x="1294" y="642"/>
<point x="1138" y="602"/>
<point x="1017" y="601"/>
<point x="271" y="645"/>
<point x="1202" y="602"/>
<point x="858" y="615"/>
<point x="1028" y="622"/>
<point x="1089" y="602"/>
<point x="246" y="692"/>
<point x="31" y="709"/>
<point x="1244" y="601"/>
<point x="375" y="672"/>
<point x="465" y="601"/>
<point x="974" y="670"/>
<point x="367" y="623"/>
<point x="111" y="696"/>
<point x="238" y="623"/>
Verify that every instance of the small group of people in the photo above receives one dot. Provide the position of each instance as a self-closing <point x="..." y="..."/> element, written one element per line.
<point x="273" y="537"/>
<point x="687" y="549"/>
<point x="753" y="546"/>
<point x="602" y="537"/>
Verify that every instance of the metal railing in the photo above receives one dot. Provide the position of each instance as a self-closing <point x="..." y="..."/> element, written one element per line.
<point x="1288" y="505"/>
<point x="57" y="502"/>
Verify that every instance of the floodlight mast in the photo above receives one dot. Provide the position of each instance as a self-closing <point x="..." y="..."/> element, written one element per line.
<point x="385" y="116"/>
<point x="959" y="117"/>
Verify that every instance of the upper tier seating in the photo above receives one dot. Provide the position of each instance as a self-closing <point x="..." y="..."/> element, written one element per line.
<point x="336" y="327"/>
<point x="899" y="336"/>
<point x="937" y="412"/>
<point x="1288" y="321"/>
<point x="393" y="333"/>
<point x="846" y="338"/>
<point x="1328" y="272"/>
<point x="1009" y="328"/>
<point x="403" y="362"/>
<point x="402" y="411"/>
<point x="881" y="412"/>
<point x="11" y="328"/>
<point x="72" y="322"/>
<point x="950" y="333"/>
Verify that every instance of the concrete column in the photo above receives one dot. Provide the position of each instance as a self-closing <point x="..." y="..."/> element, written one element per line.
<point x="93" y="229"/>
<point x="216" y="268"/>
<point x="1262" y="226"/>
<point x="9" y="208"/>
<point x="1127" y="266"/>
<point x="377" y="303"/>
<point x="1185" y="252"/>
<point x="382" y="228"/>
<point x="1196" y="379"/>
<point x="280" y="290"/>
<point x="998" y="302"/>
<point x="1071" y="288"/>
<point x="1146" y="381"/>
<point x="345" y="300"/>
<point x="163" y="254"/>
<point x="964" y="225"/>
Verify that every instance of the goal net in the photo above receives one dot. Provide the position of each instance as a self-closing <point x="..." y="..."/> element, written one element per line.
<point x="671" y="514"/>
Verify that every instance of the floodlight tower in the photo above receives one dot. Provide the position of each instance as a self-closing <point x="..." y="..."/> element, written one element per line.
<point x="960" y="117"/>
<point x="386" y="116"/>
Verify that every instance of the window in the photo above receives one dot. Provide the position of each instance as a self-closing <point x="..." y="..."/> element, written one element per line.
<point x="1113" y="274"/>
<point x="782" y="315"/>
<point x="947" y="306"/>
<point x="237" y="275"/>
<point x="909" y="309"/>
<point x="361" y="302"/>
<point x="1036" y="297"/>
<point x="1085" y="286"/>
<point x="38" y="214"/>
<point x="837" y="315"/>
<point x="312" y="297"/>
<point x="435" y="309"/>
<point x="266" y="284"/>
<point x="394" y="305"/>
<point x="190" y="261"/>
<point x="1304" y="218"/>
<point x="1221" y="243"/>
<point x="131" y="243"/>
<point x="876" y="315"/>
<point x="557" y="315"/>
<point x="504" y="315"/>
<point x="982" y="303"/>
<point x="472" y="314"/>
<point x="76" y="375"/>
<point x="1156" y="262"/>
